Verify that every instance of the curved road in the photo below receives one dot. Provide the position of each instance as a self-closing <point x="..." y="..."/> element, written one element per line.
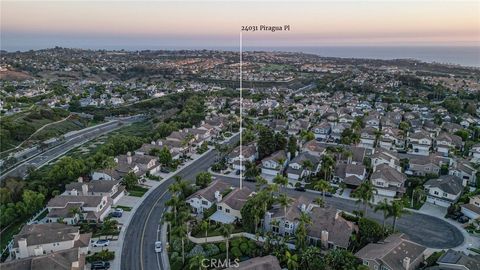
<point x="144" y="229"/>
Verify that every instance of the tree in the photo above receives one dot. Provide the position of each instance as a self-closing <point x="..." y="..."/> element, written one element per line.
<point x="33" y="201"/>
<point x="307" y="135"/>
<point x="308" y="165"/>
<point x="165" y="157"/>
<point x="322" y="186"/>
<point x="319" y="201"/>
<point x="327" y="166"/>
<point x="340" y="259"/>
<point x="370" y="231"/>
<point x="204" y="226"/>
<point x="226" y="231"/>
<point x="311" y="259"/>
<point x="292" y="146"/>
<point x="385" y="208"/>
<point x="181" y="231"/>
<point x="284" y="201"/>
<point x="292" y="260"/>
<point x="130" y="180"/>
<point x="266" y="142"/>
<point x="203" y="179"/>
<point x="396" y="211"/>
<point x="364" y="194"/>
<point x="197" y="263"/>
<point x="251" y="170"/>
<point x="280" y="180"/>
<point x="301" y="232"/>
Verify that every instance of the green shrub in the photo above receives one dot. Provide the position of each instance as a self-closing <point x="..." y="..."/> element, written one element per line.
<point x="104" y="255"/>
<point x="235" y="251"/>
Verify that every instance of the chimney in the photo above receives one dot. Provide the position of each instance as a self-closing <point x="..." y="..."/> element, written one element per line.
<point x="74" y="192"/>
<point x="22" y="248"/>
<point x="80" y="179"/>
<point x="218" y="196"/>
<point x="406" y="263"/>
<point x="84" y="189"/>
<point x="153" y="143"/>
<point x="324" y="239"/>
<point x="304" y="207"/>
<point x="129" y="158"/>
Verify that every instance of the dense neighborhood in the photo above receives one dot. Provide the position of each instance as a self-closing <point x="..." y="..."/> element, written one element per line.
<point x="321" y="163"/>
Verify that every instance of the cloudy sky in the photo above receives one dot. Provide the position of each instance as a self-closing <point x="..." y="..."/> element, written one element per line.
<point x="202" y="24"/>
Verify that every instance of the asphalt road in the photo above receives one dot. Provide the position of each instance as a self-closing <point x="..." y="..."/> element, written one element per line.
<point x="81" y="137"/>
<point x="138" y="245"/>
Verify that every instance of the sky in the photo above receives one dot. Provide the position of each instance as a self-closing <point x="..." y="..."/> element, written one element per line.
<point x="203" y="24"/>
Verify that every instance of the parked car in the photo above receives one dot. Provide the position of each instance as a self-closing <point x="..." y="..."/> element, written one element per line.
<point x="250" y="179"/>
<point x="158" y="246"/>
<point x="116" y="214"/>
<point x="101" y="243"/>
<point x="237" y="172"/>
<point x="328" y="194"/>
<point x="100" y="265"/>
<point x="164" y="170"/>
<point x="463" y="219"/>
<point x="300" y="188"/>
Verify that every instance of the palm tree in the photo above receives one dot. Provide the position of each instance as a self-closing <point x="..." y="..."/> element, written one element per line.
<point x="181" y="231"/>
<point x="319" y="201"/>
<point x="396" y="211"/>
<point x="292" y="260"/>
<point x="174" y="188"/>
<point x="308" y="165"/>
<point x="197" y="262"/>
<point x="284" y="201"/>
<point x="327" y="165"/>
<point x="322" y="186"/>
<point x="385" y="208"/>
<point x="174" y="202"/>
<point x="281" y="180"/>
<point x="364" y="194"/>
<point x="260" y="181"/>
<point x="420" y="193"/>
<point x="301" y="232"/>
<point x="226" y="231"/>
<point x="204" y="227"/>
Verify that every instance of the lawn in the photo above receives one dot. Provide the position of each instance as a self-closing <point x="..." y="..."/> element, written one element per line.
<point x="137" y="191"/>
<point x="125" y="208"/>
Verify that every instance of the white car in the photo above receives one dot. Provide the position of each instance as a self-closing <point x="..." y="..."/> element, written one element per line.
<point x="158" y="246"/>
<point x="119" y="210"/>
<point x="101" y="243"/>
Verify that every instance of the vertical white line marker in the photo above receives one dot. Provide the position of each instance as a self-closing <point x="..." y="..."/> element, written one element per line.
<point x="241" y="113"/>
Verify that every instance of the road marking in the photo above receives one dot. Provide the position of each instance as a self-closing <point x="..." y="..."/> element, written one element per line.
<point x="158" y="259"/>
<point x="145" y="227"/>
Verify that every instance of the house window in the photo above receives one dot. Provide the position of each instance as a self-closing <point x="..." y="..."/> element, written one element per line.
<point x="204" y="202"/>
<point x="219" y="207"/>
<point x="365" y="262"/>
<point x="435" y="192"/>
<point x="227" y="210"/>
<point x="445" y="194"/>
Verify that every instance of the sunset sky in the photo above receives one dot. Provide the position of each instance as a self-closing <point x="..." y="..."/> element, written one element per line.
<point x="201" y="24"/>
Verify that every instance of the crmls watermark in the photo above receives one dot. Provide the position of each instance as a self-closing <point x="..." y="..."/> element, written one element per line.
<point x="216" y="263"/>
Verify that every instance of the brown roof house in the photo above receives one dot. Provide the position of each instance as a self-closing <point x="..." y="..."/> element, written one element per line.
<point x="69" y="259"/>
<point x="113" y="189"/>
<point x="228" y="209"/>
<point x="388" y="182"/>
<point x="394" y="253"/>
<point x="71" y="209"/>
<point x="41" y="239"/>
<point x="207" y="197"/>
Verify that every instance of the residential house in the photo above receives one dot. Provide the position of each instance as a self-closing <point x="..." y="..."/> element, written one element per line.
<point x="425" y="165"/>
<point x="350" y="174"/>
<point x="207" y="197"/>
<point x="462" y="169"/>
<point x="113" y="189"/>
<point x="71" y="209"/>
<point x="322" y="130"/>
<point x="420" y="142"/>
<point x="314" y="148"/>
<point x="446" y="141"/>
<point x="372" y="121"/>
<point x="388" y="182"/>
<point x="41" y="239"/>
<point x="274" y="164"/>
<point x="282" y="222"/>
<point x="138" y="164"/>
<point x="237" y="160"/>
<point x="475" y="153"/>
<point x="394" y="253"/>
<point x="444" y="191"/>
<point x="297" y="169"/>
<point x="70" y="259"/>
<point x="228" y="209"/>
<point x="367" y="138"/>
<point x="453" y="259"/>
<point x="391" y="138"/>
<point x="389" y="158"/>
<point x="472" y="208"/>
